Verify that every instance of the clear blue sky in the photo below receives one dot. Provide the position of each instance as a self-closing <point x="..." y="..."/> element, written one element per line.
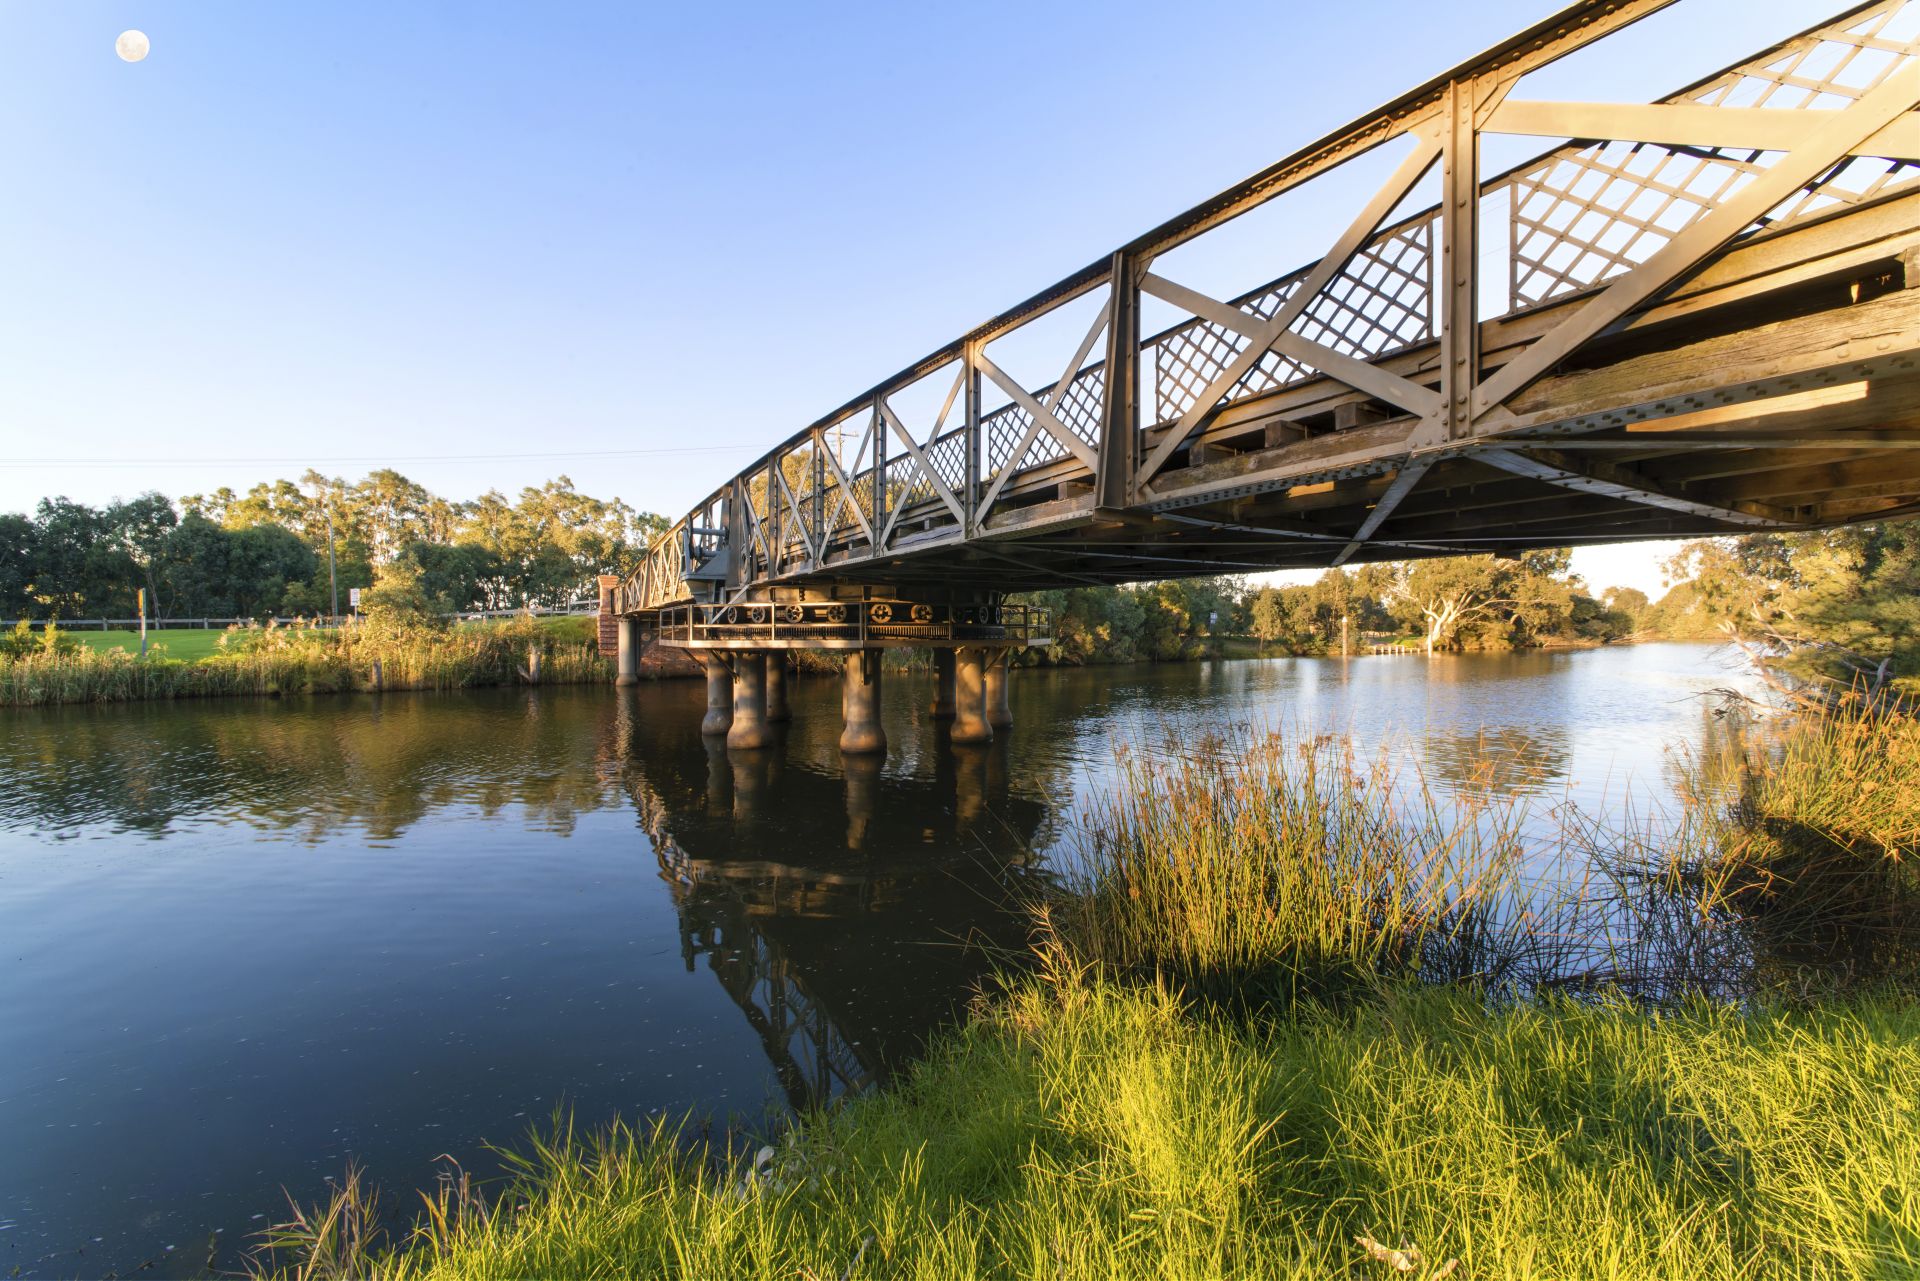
<point x="353" y="232"/>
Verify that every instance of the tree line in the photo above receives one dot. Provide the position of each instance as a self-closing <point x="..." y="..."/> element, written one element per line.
<point x="288" y="547"/>
<point x="1455" y="602"/>
<point x="1839" y="605"/>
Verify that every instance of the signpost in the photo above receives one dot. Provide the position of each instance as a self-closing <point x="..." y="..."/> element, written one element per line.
<point x="143" y="621"/>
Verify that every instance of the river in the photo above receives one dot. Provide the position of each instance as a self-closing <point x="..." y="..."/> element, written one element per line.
<point x="243" y="943"/>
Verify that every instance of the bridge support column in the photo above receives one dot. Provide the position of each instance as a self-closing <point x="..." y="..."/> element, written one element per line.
<point x="860" y="704"/>
<point x="942" y="709"/>
<point x="777" y="709"/>
<point x="999" y="710"/>
<point x="970" y="697"/>
<point x="749" y="728"/>
<point x="719" y="717"/>
<point x="628" y="662"/>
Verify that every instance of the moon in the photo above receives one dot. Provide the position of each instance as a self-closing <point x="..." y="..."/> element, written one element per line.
<point x="132" y="46"/>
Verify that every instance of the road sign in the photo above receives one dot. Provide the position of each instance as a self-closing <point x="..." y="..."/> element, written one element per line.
<point x="353" y="597"/>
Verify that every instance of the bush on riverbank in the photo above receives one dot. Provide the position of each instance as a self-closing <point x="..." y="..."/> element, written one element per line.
<point x="1365" y="1071"/>
<point x="273" y="660"/>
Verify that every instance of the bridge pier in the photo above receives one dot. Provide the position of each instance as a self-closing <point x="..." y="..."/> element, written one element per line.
<point x="999" y="710"/>
<point x="970" y="696"/>
<point x="777" y="709"/>
<point x="942" y="709"/>
<point x="750" y="728"/>
<point x="628" y="661"/>
<point x="719" y="717"/>
<point x="860" y="704"/>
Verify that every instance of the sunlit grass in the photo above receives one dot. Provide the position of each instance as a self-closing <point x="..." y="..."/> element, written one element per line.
<point x="1077" y="1128"/>
<point x="276" y="660"/>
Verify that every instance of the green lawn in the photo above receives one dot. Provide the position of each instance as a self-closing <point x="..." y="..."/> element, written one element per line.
<point x="181" y="643"/>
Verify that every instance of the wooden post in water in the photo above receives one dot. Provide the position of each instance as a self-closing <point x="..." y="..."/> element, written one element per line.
<point x="533" y="664"/>
<point x="1343" y="636"/>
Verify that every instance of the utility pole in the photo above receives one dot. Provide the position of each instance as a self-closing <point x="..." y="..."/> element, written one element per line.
<point x="333" y="579"/>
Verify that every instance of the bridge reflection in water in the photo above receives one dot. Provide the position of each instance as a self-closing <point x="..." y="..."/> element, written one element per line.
<point x="847" y="911"/>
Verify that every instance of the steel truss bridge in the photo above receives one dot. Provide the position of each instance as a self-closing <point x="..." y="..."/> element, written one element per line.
<point x="1693" y="317"/>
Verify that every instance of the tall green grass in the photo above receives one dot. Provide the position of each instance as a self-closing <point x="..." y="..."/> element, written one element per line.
<point x="276" y="660"/>
<point x="1810" y="843"/>
<point x="1250" y="867"/>
<point x="1078" y="1128"/>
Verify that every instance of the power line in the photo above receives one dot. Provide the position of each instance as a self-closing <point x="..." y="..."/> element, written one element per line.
<point x="109" y="463"/>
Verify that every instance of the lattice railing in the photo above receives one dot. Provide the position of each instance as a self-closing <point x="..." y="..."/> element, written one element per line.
<point x="1080" y="409"/>
<point x="1586" y="213"/>
<point x="1383" y="301"/>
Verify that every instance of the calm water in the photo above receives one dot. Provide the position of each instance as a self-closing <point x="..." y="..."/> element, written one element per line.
<point x="242" y="943"/>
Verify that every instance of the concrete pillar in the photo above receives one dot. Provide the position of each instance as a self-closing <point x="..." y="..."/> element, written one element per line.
<point x="970" y="696"/>
<point x="719" y="716"/>
<point x="999" y="712"/>
<point x="777" y="709"/>
<point x="860" y="704"/>
<point x="629" y="652"/>
<point x="749" y="728"/>
<point x="942" y="709"/>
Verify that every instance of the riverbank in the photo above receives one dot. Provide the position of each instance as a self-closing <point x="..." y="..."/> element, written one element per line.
<point x="1278" y="1025"/>
<point x="272" y="661"/>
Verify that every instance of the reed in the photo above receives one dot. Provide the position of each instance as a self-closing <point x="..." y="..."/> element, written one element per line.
<point x="1253" y="869"/>
<point x="1811" y="843"/>
<point x="275" y="660"/>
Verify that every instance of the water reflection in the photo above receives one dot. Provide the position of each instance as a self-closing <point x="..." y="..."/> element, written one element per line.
<point x="846" y="914"/>
<point x="1504" y="760"/>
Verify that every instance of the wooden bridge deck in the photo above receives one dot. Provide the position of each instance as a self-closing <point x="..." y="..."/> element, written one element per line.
<point x="1704" y="318"/>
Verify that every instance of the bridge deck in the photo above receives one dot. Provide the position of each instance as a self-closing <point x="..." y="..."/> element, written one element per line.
<point x="1704" y="318"/>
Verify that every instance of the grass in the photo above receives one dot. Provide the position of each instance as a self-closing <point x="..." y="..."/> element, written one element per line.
<point x="273" y="660"/>
<point x="184" y="642"/>
<point x="1251" y="869"/>
<point x="1273" y="1027"/>
<point x="1078" y="1128"/>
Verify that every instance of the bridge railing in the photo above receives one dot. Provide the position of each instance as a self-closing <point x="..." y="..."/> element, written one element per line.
<point x="1585" y="234"/>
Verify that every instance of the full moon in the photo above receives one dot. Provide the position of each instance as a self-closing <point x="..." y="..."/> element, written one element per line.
<point x="131" y="46"/>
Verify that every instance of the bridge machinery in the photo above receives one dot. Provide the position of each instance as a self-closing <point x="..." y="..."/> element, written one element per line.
<point x="1683" y="318"/>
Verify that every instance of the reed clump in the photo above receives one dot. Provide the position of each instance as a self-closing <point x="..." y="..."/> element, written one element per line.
<point x="1812" y="842"/>
<point x="1258" y="870"/>
<point x="274" y="660"/>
